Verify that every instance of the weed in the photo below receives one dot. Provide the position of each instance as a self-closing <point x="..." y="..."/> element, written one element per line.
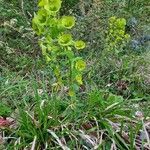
<point x="56" y="44"/>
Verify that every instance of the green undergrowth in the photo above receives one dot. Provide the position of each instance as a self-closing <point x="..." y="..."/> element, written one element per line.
<point x="17" y="46"/>
<point x="113" y="104"/>
<point x="52" y="122"/>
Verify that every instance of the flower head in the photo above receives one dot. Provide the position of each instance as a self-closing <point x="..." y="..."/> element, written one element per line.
<point x="39" y="19"/>
<point x="42" y="3"/>
<point x="52" y="6"/>
<point x="80" y="65"/>
<point x="112" y="19"/>
<point x="71" y="93"/>
<point x="79" y="79"/>
<point x="65" y="39"/>
<point x="68" y="21"/>
<point x="120" y="23"/>
<point x="79" y="45"/>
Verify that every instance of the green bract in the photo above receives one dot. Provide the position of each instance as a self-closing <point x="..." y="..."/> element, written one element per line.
<point x="80" y="65"/>
<point x="65" y="39"/>
<point x="48" y="59"/>
<point x="55" y="48"/>
<point x="120" y="23"/>
<point x="51" y="5"/>
<point x="112" y="19"/>
<point x="68" y="22"/>
<point x="52" y="22"/>
<point x="79" y="45"/>
<point x="39" y="19"/>
<point x="79" y="79"/>
<point x="43" y="2"/>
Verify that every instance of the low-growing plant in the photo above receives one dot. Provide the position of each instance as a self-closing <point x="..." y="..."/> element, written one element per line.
<point x="116" y="38"/>
<point x="113" y="52"/>
<point x="58" y="45"/>
<point x="49" y="121"/>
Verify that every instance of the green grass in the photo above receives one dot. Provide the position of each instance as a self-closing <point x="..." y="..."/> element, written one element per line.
<point x="51" y="119"/>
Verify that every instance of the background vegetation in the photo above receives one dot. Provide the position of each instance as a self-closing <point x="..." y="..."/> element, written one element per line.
<point x="113" y="107"/>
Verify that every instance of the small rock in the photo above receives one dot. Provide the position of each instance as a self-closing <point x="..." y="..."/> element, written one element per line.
<point x="139" y="114"/>
<point x="132" y="22"/>
<point x="135" y="44"/>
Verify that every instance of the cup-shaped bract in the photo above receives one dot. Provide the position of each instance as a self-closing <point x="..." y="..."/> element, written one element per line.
<point x="65" y="39"/>
<point x="80" y="65"/>
<point x="39" y="21"/>
<point x="53" y="6"/>
<point x="79" y="44"/>
<point x="42" y="3"/>
<point x="68" y="21"/>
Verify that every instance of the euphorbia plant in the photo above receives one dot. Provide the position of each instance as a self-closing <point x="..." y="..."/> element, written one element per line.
<point x="58" y="46"/>
<point x="116" y="38"/>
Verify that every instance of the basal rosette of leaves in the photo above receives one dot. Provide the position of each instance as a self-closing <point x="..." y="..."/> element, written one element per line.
<point x="58" y="46"/>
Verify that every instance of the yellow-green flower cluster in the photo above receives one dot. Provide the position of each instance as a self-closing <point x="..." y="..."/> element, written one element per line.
<point x="79" y="79"/>
<point x="68" y="21"/>
<point x="116" y="37"/>
<point x="65" y="39"/>
<point x="52" y="6"/>
<point x="80" y="65"/>
<point x="79" y="45"/>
